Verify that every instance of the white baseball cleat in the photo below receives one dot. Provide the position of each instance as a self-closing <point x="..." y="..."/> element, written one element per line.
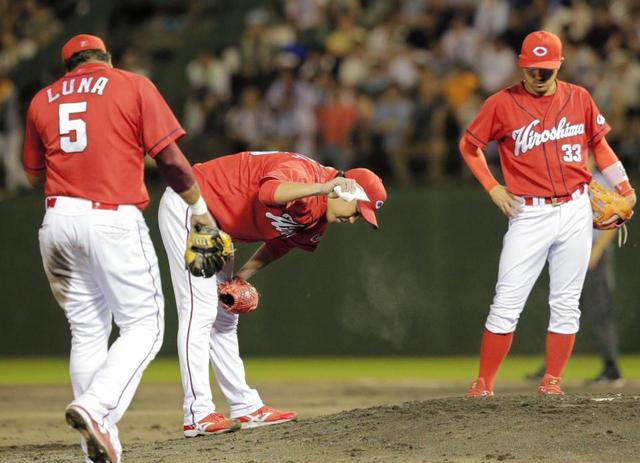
<point x="99" y="446"/>
<point x="265" y="416"/>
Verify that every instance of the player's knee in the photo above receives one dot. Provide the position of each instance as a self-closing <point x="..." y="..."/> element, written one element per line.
<point x="564" y="320"/>
<point x="502" y="320"/>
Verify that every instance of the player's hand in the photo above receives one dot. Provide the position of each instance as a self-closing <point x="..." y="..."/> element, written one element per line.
<point x="348" y="185"/>
<point x="631" y="200"/>
<point x="508" y="203"/>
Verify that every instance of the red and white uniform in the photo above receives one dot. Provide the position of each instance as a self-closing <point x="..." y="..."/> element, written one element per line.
<point x="90" y="130"/>
<point x="239" y="191"/>
<point x="87" y="133"/>
<point x="544" y="143"/>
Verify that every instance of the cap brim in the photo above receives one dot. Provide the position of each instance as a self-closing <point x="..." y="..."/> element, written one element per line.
<point x="367" y="213"/>
<point x="552" y="64"/>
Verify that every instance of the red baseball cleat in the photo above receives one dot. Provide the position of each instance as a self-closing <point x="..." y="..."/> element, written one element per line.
<point x="266" y="416"/>
<point x="215" y="423"/>
<point x="99" y="446"/>
<point x="550" y="385"/>
<point x="479" y="389"/>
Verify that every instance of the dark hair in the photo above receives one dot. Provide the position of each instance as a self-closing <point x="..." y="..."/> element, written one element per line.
<point x="85" y="55"/>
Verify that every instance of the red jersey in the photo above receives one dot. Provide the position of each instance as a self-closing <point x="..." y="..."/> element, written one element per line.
<point x="543" y="141"/>
<point x="239" y="191"/>
<point x="89" y="131"/>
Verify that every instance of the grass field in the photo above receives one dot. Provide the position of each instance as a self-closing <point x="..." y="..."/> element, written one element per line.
<point x="165" y="369"/>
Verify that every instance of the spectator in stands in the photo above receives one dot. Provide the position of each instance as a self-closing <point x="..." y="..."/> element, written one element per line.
<point x="392" y="123"/>
<point x="255" y="49"/>
<point x="249" y="124"/>
<point x="491" y="18"/>
<point x="208" y="72"/>
<point x="11" y="137"/>
<point x="337" y="118"/>
<point x="496" y="65"/>
<point x="428" y="129"/>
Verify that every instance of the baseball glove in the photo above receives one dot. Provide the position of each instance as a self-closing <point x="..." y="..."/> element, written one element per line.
<point x="606" y="204"/>
<point x="208" y="249"/>
<point x="238" y="296"/>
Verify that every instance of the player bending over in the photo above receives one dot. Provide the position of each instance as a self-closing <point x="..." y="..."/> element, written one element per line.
<point x="284" y="200"/>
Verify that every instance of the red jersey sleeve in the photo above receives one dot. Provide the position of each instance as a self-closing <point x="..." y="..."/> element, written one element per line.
<point x="159" y="126"/>
<point x="596" y="125"/>
<point x="484" y="127"/>
<point x="33" y="155"/>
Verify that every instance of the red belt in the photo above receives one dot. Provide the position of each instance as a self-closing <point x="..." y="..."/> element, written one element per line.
<point x="528" y="200"/>
<point x="51" y="202"/>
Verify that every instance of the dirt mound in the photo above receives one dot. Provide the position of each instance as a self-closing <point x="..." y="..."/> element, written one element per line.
<point x="573" y="428"/>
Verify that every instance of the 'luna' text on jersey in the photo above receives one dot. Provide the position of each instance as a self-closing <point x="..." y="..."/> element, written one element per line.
<point x="84" y="86"/>
<point x="527" y="138"/>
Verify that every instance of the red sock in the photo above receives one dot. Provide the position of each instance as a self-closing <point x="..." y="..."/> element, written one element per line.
<point x="493" y="350"/>
<point x="559" y="348"/>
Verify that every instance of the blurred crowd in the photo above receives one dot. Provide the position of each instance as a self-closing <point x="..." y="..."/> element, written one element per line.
<point x="393" y="83"/>
<point x="388" y="84"/>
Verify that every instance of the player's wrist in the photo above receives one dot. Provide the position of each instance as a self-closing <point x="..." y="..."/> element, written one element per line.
<point x="199" y="207"/>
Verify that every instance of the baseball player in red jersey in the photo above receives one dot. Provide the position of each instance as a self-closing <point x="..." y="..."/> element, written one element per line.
<point x="284" y="200"/>
<point x="544" y="129"/>
<point x="86" y="135"/>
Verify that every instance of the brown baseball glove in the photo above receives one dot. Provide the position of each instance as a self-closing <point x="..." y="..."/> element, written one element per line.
<point x="606" y="204"/>
<point x="238" y="296"/>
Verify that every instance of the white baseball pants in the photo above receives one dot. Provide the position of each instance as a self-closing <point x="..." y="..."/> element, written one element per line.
<point x="558" y="234"/>
<point x="206" y="332"/>
<point x="101" y="266"/>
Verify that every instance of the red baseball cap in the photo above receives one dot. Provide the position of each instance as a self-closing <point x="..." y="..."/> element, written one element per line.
<point x="541" y="49"/>
<point x="373" y="187"/>
<point x="82" y="42"/>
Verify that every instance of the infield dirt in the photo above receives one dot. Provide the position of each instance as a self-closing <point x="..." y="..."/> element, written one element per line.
<point x="355" y="422"/>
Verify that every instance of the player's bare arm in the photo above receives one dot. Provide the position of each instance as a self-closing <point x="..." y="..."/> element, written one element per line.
<point x="290" y="191"/>
<point x="507" y="202"/>
<point x="34" y="180"/>
<point x="259" y="260"/>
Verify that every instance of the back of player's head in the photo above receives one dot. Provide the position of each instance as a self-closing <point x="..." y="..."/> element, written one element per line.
<point x="82" y="48"/>
<point x="541" y="49"/>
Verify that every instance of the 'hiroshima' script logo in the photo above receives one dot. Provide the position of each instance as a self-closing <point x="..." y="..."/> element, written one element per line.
<point x="285" y="224"/>
<point x="526" y="138"/>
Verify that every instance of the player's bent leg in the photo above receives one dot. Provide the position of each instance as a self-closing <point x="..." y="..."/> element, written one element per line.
<point x="228" y="366"/>
<point x="523" y="256"/>
<point x="568" y="262"/>
<point x="196" y="299"/>
<point x="133" y="291"/>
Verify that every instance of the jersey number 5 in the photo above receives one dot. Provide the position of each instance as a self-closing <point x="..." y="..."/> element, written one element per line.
<point x="68" y="125"/>
<point x="572" y="153"/>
